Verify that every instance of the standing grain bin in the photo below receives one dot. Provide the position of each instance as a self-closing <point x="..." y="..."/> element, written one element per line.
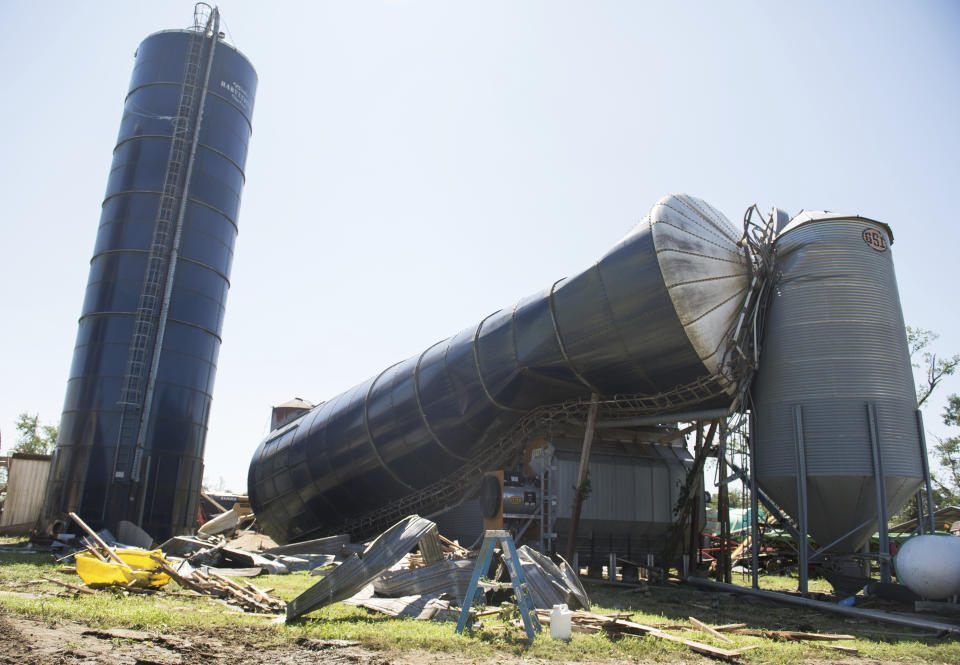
<point x="138" y="397"/>
<point x="837" y="429"/>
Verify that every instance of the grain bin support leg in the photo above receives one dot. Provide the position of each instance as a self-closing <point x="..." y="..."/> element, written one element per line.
<point x="881" y="481"/>
<point x="925" y="461"/>
<point x="802" y="544"/>
<point x="754" y="510"/>
<point x="723" y="508"/>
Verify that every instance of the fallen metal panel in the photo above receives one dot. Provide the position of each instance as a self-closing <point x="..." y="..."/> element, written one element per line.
<point x="356" y="572"/>
<point x="330" y="545"/>
<point x="451" y="577"/>
<point x="407" y="606"/>
<point x="547" y="583"/>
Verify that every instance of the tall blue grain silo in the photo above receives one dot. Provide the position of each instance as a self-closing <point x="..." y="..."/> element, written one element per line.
<point x="135" y="414"/>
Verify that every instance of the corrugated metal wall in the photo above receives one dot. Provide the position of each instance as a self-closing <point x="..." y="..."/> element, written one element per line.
<point x="26" y="488"/>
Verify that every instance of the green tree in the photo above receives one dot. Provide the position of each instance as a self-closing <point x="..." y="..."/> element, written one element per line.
<point x="931" y="371"/>
<point x="35" y="438"/>
<point x="948" y="455"/>
<point x="934" y="369"/>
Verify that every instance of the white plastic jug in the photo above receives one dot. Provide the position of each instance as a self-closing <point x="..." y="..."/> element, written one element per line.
<point x="560" y="618"/>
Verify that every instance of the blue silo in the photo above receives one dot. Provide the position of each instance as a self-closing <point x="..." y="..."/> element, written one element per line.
<point x="138" y="397"/>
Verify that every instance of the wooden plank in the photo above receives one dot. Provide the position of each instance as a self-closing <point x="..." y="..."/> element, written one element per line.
<point x="730" y="626"/>
<point x="792" y="635"/>
<point x="704" y="627"/>
<point x="69" y="586"/>
<point x="109" y="550"/>
<point x="450" y="543"/>
<point x="430" y="546"/>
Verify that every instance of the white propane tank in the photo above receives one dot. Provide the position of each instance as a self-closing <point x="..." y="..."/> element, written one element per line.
<point x="930" y="566"/>
<point x="560" y="622"/>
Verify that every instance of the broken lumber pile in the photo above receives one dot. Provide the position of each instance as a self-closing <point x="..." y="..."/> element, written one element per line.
<point x="618" y="625"/>
<point x="247" y="596"/>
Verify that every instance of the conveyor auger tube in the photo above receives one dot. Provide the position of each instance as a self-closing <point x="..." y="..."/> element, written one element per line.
<point x="653" y="319"/>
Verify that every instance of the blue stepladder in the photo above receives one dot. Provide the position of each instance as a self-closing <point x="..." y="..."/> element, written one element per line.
<point x="528" y="614"/>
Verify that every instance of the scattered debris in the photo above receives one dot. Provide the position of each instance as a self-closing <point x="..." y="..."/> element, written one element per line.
<point x="707" y="629"/>
<point x="139" y="569"/>
<point x="792" y="635"/>
<point x="320" y="645"/>
<point x="211" y="583"/>
<point x="331" y="545"/>
<point x="550" y="584"/>
<point x="74" y="587"/>
<point x="620" y="626"/>
<point x="358" y="571"/>
<point x="450" y="577"/>
<point x="222" y="523"/>
<point x="130" y="534"/>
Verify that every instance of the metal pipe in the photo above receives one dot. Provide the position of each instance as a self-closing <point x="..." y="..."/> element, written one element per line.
<point x="925" y="461"/>
<point x="820" y="552"/>
<point x="766" y="501"/>
<point x="876" y="615"/>
<point x="881" y="484"/>
<point x="802" y="544"/>
<point x="723" y="507"/>
<point x="754" y="509"/>
<point x="688" y="417"/>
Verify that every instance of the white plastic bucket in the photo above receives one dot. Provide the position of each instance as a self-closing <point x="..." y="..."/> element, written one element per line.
<point x="560" y="620"/>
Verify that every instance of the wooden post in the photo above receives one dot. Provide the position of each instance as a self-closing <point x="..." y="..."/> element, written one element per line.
<point x="582" y="477"/>
<point x="687" y="498"/>
<point x="99" y="541"/>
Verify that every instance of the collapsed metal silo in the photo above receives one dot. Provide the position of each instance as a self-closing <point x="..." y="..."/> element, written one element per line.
<point x="835" y="406"/>
<point x="138" y="397"/>
<point x="653" y="315"/>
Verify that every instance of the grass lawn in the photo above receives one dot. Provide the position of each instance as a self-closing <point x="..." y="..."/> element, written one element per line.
<point x="22" y="592"/>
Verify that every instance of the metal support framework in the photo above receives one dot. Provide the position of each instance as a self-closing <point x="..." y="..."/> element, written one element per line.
<point x="858" y="612"/>
<point x="802" y="546"/>
<point x="925" y="461"/>
<point x="723" y="508"/>
<point x="766" y="501"/>
<point x="754" y="510"/>
<point x="881" y="484"/>
<point x="693" y="549"/>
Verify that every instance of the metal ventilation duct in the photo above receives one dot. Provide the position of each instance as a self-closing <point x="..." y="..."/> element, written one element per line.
<point x="834" y="396"/>
<point x="652" y="314"/>
<point x="138" y="397"/>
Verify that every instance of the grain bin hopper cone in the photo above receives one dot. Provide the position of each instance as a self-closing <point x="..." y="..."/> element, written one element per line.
<point x="653" y="317"/>
<point x="834" y="395"/>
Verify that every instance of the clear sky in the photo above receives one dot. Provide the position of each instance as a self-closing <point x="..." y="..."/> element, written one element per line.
<point x="415" y="166"/>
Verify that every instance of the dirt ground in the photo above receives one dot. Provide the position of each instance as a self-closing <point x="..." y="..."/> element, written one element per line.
<point x="25" y="641"/>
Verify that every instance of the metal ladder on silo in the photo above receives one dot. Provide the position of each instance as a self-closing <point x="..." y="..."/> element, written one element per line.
<point x="128" y="452"/>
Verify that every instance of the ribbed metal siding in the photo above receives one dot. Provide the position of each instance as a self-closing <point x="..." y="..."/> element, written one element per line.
<point x="26" y="484"/>
<point x="641" y="489"/>
<point x="834" y="342"/>
<point x="174" y="443"/>
<point x="613" y="328"/>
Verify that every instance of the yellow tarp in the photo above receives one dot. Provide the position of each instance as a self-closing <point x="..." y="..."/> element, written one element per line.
<point x="145" y="571"/>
